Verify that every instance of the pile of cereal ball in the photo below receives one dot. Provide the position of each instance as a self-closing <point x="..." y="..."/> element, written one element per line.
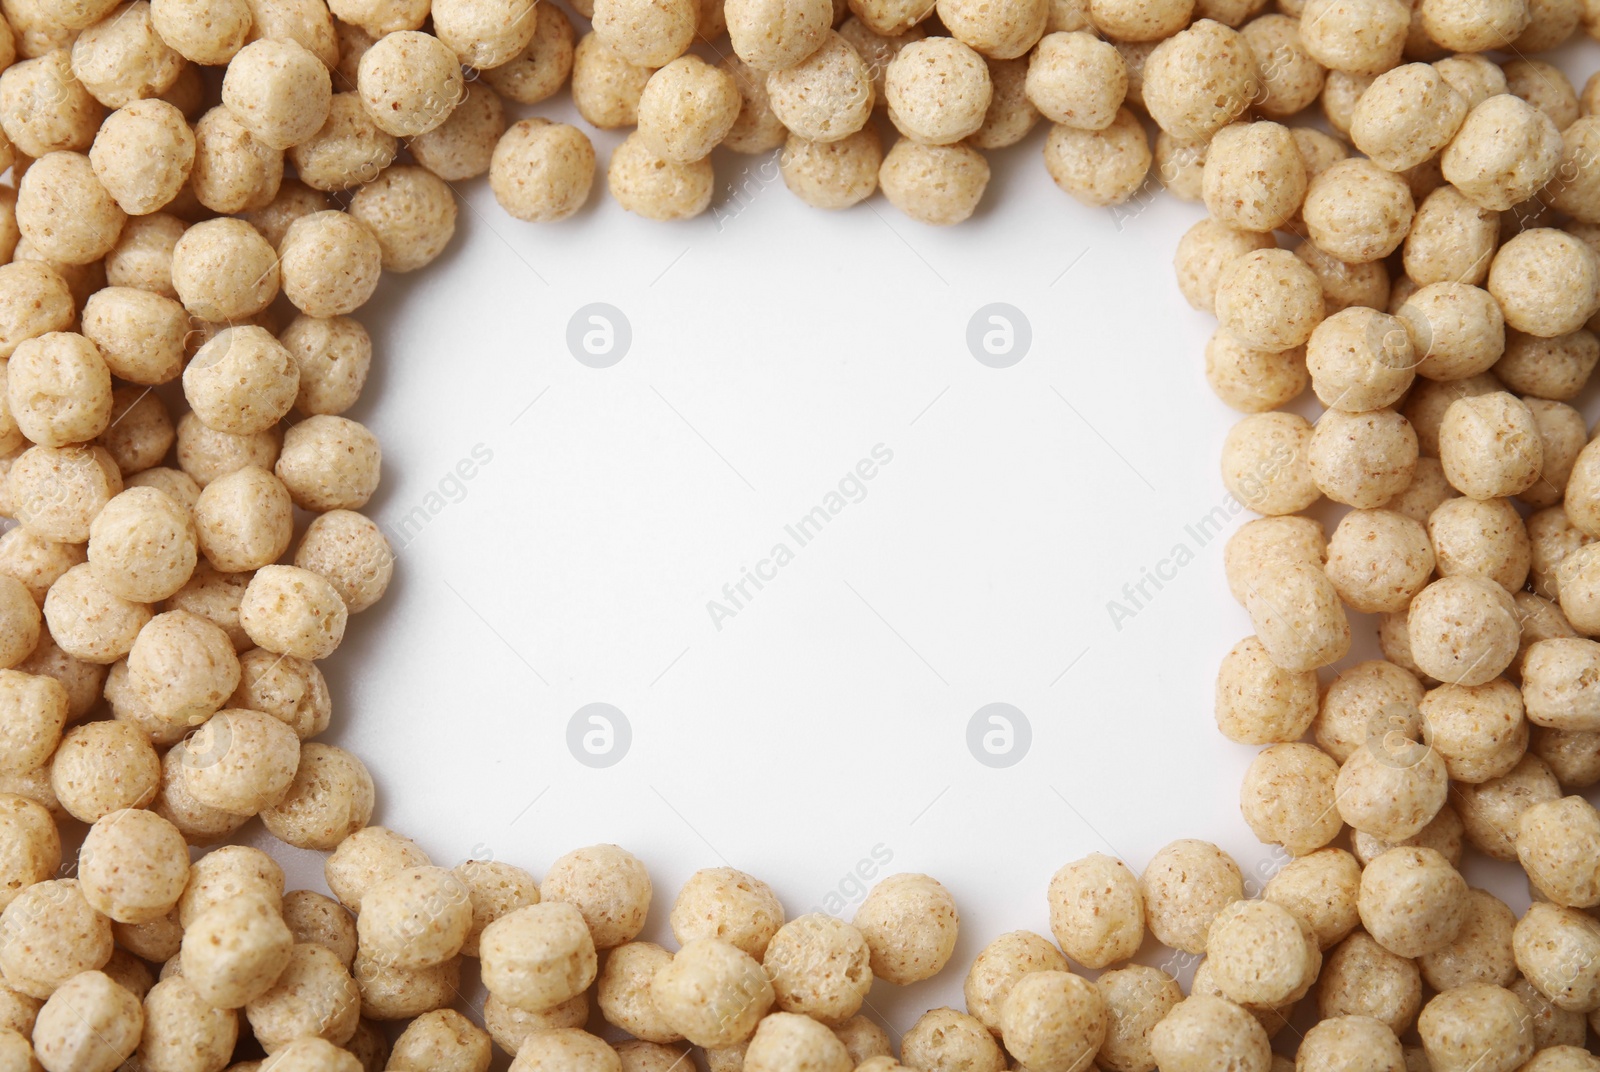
<point x="159" y="642"/>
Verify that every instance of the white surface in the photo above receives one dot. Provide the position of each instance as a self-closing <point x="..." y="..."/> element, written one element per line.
<point x="773" y="347"/>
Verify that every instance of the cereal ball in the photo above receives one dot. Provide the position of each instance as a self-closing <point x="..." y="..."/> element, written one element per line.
<point x="714" y="994"/>
<point x="234" y="952"/>
<point x="32" y="851"/>
<point x="182" y="667"/>
<point x="347" y="150"/>
<point x="1259" y="703"/>
<point x="1458" y="332"/>
<point x="48" y="934"/>
<point x="1451" y="239"/>
<point x="140" y="432"/>
<point x="1406" y="117"/>
<point x="410" y="82"/>
<point x="230" y="873"/>
<point x="1558" y="950"/>
<point x="999" y="33"/>
<point x="142" y="257"/>
<point x="1345" y="285"/>
<point x="1251" y="380"/>
<point x="535" y="75"/>
<point x="605" y="87"/>
<point x="826" y="97"/>
<point x="1264" y="467"/>
<point x="1290" y="79"/>
<point x="56" y="492"/>
<point x="461" y="146"/>
<point x="1200" y="80"/>
<point x="293" y="611"/>
<point x="1555" y="368"/>
<point x="201" y="825"/>
<point x="1485" y="537"/>
<point x="280" y="92"/>
<point x="311" y="1054"/>
<point x="86" y="753"/>
<point x="1136" y="999"/>
<point x="688" y="106"/>
<point x="624" y="993"/>
<point x="412" y="214"/>
<point x="36" y="302"/>
<point x="1181" y="165"/>
<point x="334" y="355"/>
<point x="1463" y="630"/>
<point x="1269" y="299"/>
<point x="90" y="1024"/>
<point x="142" y="545"/>
<point x="1362" y="38"/>
<point x="1077" y="79"/>
<point x="1391" y="786"/>
<point x="352" y="553"/>
<point x="1479" y="731"/>
<point x="329" y="463"/>
<point x="1321" y="889"/>
<point x="648" y="35"/>
<point x="182" y="1032"/>
<point x="1205" y="250"/>
<point x="233" y="172"/>
<point x="1255" y="177"/>
<point x="1556" y="843"/>
<point x="728" y="905"/>
<point x="441" y="1041"/>
<point x="241" y="762"/>
<point x="788" y="1041"/>
<point x="510" y="1027"/>
<point x="59" y="389"/>
<point x="1336" y="1042"/>
<point x="1378" y="560"/>
<point x="330" y="798"/>
<point x="416" y="919"/>
<point x="542" y="171"/>
<point x="1480" y="952"/>
<point x="312" y="917"/>
<point x="33" y="712"/>
<point x="1444" y="834"/>
<point x="63" y="211"/>
<point x="944" y="1040"/>
<point x="366" y="858"/>
<point x="819" y="966"/>
<point x="36" y="561"/>
<point x="293" y="198"/>
<point x="1463" y="28"/>
<point x="1099" y="167"/>
<point x="1357" y="211"/>
<point x="1185" y="885"/>
<point x="1053" y="1021"/>
<point x="863" y="1040"/>
<point x="1097" y="911"/>
<point x="1361" y="978"/>
<point x="1288" y="799"/>
<point x="244" y="520"/>
<point x="757" y="129"/>
<point x="1490" y="446"/>
<point x="223" y="270"/>
<point x="242" y="381"/>
<point x="133" y="866"/>
<point x="537" y="956"/>
<point x="143" y="154"/>
<point x="207" y="33"/>
<point x="656" y="188"/>
<point x="910" y="923"/>
<point x="484" y="36"/>
<point x="1204" y="1032"/>
<point x="1360" y="360"/>
<point x="1554" y="679"/>
<point x="938" y="91"/>
<point x="997" y="968"/>
<point x="330" y="263"/>
<point x="44" y="107"/>
<point x="1546" y="281"/>
<point x="1313" y="632"/>
<point x="1412" y="901"/>
<point x="122" y="58"/>
<point x="771" y="35"/>
<point x="565" y="1048"/>
<point x="1262" y="954"/>
<point x="833" y="174"/>
<point x="1480" y="1027"/>
<point x="1505" y="151"/>
<point x="1428" y="488"/>
<point x="1572" y="755"/>
<point x="83" y="682"/>
<point x="86" y="619"/>
<point x="608" y="885"/>
<point x="1551" y="1026"/>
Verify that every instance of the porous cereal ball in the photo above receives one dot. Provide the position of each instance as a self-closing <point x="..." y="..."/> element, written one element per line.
<point x="1336" y="1042"/>
<point x="1504" y="152"/>
<point x="1490" y="446"/>
<point x="1555" y="369"/>
<point x="90" y="1024"/>
<point x="330" y="798"/>
<point x="441" y="1041"/>
<point x="1321" y="889"/>
<point x="1185" y="885"/>
<point x="542" y="171"/>
<point x="1412" y="901"/>
<point x="1360" y="359"/>
<point x="1462" y="27"/>
<point x="1257" y="702"/>
<point x="410" y="82"/>
<point x="1562" y="1059"/>
<point x="648" y="35"/>
<point x="1361" y="978"/>
<point x="1181" y="165"/>
<point x="244" y="520"/>
<point x="83" y="682"/>
<point x="541" y="69"/>
<point x="1198" y="81"/>
<point x="1099" y="167"/>
<point x="88" y="621"/>
<point x="234" y="952"/>
<point x="1558" y="950"/>
<point x="1573" y="188"/>
<point x="461" y="146"/>
<point x="182" y="1032"/>
<point x="819" y="966"/>
<point x="140" y="433"/>
<point x="1011" y="115"/>
<point x="86" y="752"/>
<point x="713" y="993"/>
<point x="1445" y="834"/>
<point x="1077" y="79"/>
<point x="48" y="934"/>
<point x="1479" y="731"/>
<point x="280" y="92"/>
<point x="412" y="214"/>
<point x="786" y="1041"/>
<point x="1362" y="38"/>
<point x="1553" y="682"/>
<point x="863" y="1040"/>
<point x="538" y="956"/>
<point x="1485" y="537"/>
<point x="56" y="492"/>
<point x="35" y="561"/>
<point x="909" y="922"/>
<point x="484" y="36"/>
<point x="608" y="885"/>
<point x="347" y="150"/>
<point x="32" y="848"/>
<point x="1572" y="755"/>
<point x="1481" y="951"/>
<point x="1136" y="999"/>
<point x="1260" y="953"/>
<point x="833" y="174"/>
<point x="1002" y="33"/>
<point x="1270" y="299"/>
<point x="416" y="919"/>
<point x="1463" y="630"/>
<point x="1204" y="251"/>
<point x="293" y="611"/>
<point x="142" y="546"/>
<point x="1290" y="78"/>
<point x="1357" y="211"/>
<point x="334" y="355"/>
<point x="1457" y="332"/>
<point x="1345" y="285"/>
<point x="330" y="263"/>
<point x="688" y="106"/>
<point x="1264" y="466"/>
<point x="1546" y="281"/>
<point x="182" y="667"/>
<point x="934" y="184"/>
<point x="1480" y="1027"/>
<point x="757" y="129"/>
<point x="59" y="389"/>
<point x="1392" y="786"/>
<point x="122" y="58"/>
<point x="242" y="381"/>
<point x="1378" y="560"/>
<point x="366" y="858"/>
<point x="566" y="1048"/>
<point x="657" y="188"/>
<point x="623" y="991"/>
<point x="1204" y="1032"/>
<point x="606" y="88"/>
<point x="1254" y="176"/>
<point x="315" y="918"/>
<point x="510" y="1027"/>
<point x="1313" y="631"/>
<point x="1451" y="240"/>
<point x="825" y="97"/>
<point x="34" y="300"/>
<point x="64" y="213"/>
<point x="45" y="108"/>
<point x="230" y="873"/>
<point x="938" y="91"/>
<point x="1551" y="1026"/>
<point x="223" y="270"/>
<point x="133" y="866"/>
<point x="1288" y="799"/>
<point x="142" y="155"/>
<point x="240" y="761"/>
<point x="1556" y="844"/>
<point x="352" y="553"/>
<point x="770" y="35"/>
<point x="944" y="1040"/>
<point x="1406" y="117"/>
<point x="1097" y="911"/>
<point x="997" y="968"/>
<point x="1251" y="380"/>
<point x="142" y="257"/>
<point x="329" y="463"/>
<point x="728" y="905"/>
<point x="33" y="712"/>
<point x="202" y="32"/>
<point x="1427" y="490"/>
<point x="233" y="172"/>
<point x="1053" y="1020"/>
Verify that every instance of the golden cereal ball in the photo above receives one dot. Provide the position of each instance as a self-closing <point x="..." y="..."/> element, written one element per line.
<point x="330" y="263"/>
<point x="122" y="58"/>
<point x="565" y="1048"/>
<point x="347" y="150"/>
<point x="1555" y="369"/>
<point x="1406" y="117"/>
<point x="44" y="108"/>
<point x="1011" y="115"/>
<point x="1184" y="886"/>
<point x="202" y="31"/>
<point x="537" y="956"/>
<point x="1291" y="79"/>
<point x="182" y="667"/>
<point x="280" y="92"/>
<point x="1321" y="889"/>
<point x="133" y="866"/>
<point x="140" y="433"/>
<point x="182" y="1032"/>
<point x="997" y="968"/>
<point x="56" y="492"/>
<point x="825" y="97"/>
<point x="223" y="270"/>
<point x="1481" y="951"/>
<point x="833" y="174"/>
<point x="1485" y="537"/>
<point x="461" y="146"/>
<point x="713" y="993"/>
<point x="1254" y="176"/>
<point x="367" y="857"/>
<point x="242" y="381"/>
<point x="1261" y="954"/>
<point x="1546" y="281"/>
<point x="59" y="389"/>
<point x="1270" y="299"/>
<point x="64" y="213"/>
<point x="143" y="154"/>
<point x="1204" y="1032"/>
<point x="688" y="106"/>
<point x="32" y="850"/>
<point x="1480" y="1027"/>
<point x="1357" y="211"/>
<point x="648" y="35"/>
<point x="1198" y="81"/>
<point x="416" y="919"/>
<point x="789" y="1041"/>
<point x="1412" y="901"/>
<point x="1465" y="28"/>
<point x="1259" y="703"/>
<point x="542" y="68"/>
<point x="352" y="553"/>
<point x="510" y="1027"/>
<point x="233" y="172"/>
<point x="1504" y="152"/>
<point x="34" y="300"/>
<point x="1553" y="676"/>
<point x="938" y="91"/>
<point x="1392" y="786"/>
<point x="1288" y="799"/>
<point x="1490" y="446"/>
<point x="305" y="22"/>
<point x="944" y="1040"/>
<point x="1457" y="332"/>
<point x="1251" y="380"/>
<point x="142" y="257"/>
<point x="1204" y="251"/>
<point x="33" y="712"/>
<point x="90" y="1024"/>
<point x="240" y="761"/>
<point x="656" y="188"/>
<point x="311" y="1054"/>
<point x="910" y="923"/>
<point x="441" y="1041"/>
<point x="244" y="520"/>
<point x="1099" y="167"/>
<point x="623" y="991"/>
<point x="1573" y="189"/>
<point x="412" y="214"/>
<point x="48" y="934"/>
<point x="329" y="463"/>
<point x="820" y="967"/>
<point x="334" y="355"/>
<point x="90" y="622"/>
<point x="293" y="611"/>
<point x="1355" y="37"/>
<point x="605" y="87"/>
<point x="1053" y="1021"/>
<point x="727" y="905"/>
<point x="410" y="82"/>
<point x="1558" y="950"/>
<point x="142" y="545"/>
<point x="1181" y="165"/>
<point x="1361" y="978"/>
<point x="1097" y="911"/>
<point x="1138" y="20"/>
<point x="542" y="171"/>
<point x="330" y="798"/>
<point x="1265" y="463"/>
<point x="1345" y="285"/>
<point x="315" y="918"/>
<point x="1337" y="1042"/>
<point x="1136" y="998"/>
<point x="1451" y="240"/>
<point x="1001" y="32"/>
<point x="495" y="888"/>
<point x="770" y="35"/>
<point x="234" y="952"/>
<point x="608" y="885"/>
<point x="86" y="752"/>
<point x="35" y="561"/>
<point x="1362" y="459"/>
<point x="484" y="36"/>
<point x="1556" y="843"/>
<point x="1360" y="359"/>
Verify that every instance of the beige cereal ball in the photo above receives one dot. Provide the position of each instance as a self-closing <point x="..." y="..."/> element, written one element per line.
<point x="713" y="993"/>
<point x="1551" y="1026"/>
<point x="1270" y="299"/>
<point x="35" y="301"/>
<point x="1288" y="799"/>
<point x="83" y="682"/>
<point x="1298" y="617"/>
<point x="182" y="667"/>
<point x="1479" y="1027"/>
<point x="1260" y="953"/>
<point x="122" y="58"/>
<point x="223" y="270"/>
<point x="182" y="1032"/>
<point x="1053" y="1021"/>
<point x="1555" y="369"/>
<point x="32" y="850"/>
<point x="1192" y="105"/>
<point x="757" y="129"/>
<point x="90" y="1024"/>
<point x="938" y="91"/>
<point x="412" y="214"/>
<point x="35" y="561"/>
<point x="1259" y="703"/>
<point x="1481" y="951"/>
<point x="142" y="545"/>
<point x="64" y="213"/>
<point x="1558" y="950"/>
<point x="944" y="1040"/>
<point x="331" y="797"/>
<point x="1204" y="1032"/>
<point x="910" y="924"/>
<point x="484" y="36"/>
<point x="1451" y="240"/>
<point x="88" y="621"/>
<point x="1290" y="78"/>
<point x="1345" y="285"/>
<point x="1338" y="1042"/>
<point x="1573" y="188"/>
<point x="1556" y="844"/>
<point x="1427" y="490"/>
<point x="280" y="92"/>
<point x="1546" y="281"/>
<point x="771" y="35"/>
<point x="21" y="618"/>
<point x="1463" y="630"/>
<point x="320" y="920"/>
<point x="48" y="934"/>
<point x="510" y="1027"/>
<point x="1485" y="537"/>
<point x="329" y="463"/>
<point x="789" y="1041"/>
<point x="1137" y="21"/>
<point x="244" y="520"/>
<point x="142" y="257"/>
<point x="234" y="952"/>
<point x="140" y="433"/>
<point x="1363" y="38"/>
<point x="1185" y="885"/>
<point x="410" y="82"/>
<point x="233" y="172"/>
<point x="538" y="956"/>
<point x="1357" y="211"/>
<point x="605" y="87"/>
<point x="293" y="611"/>
<point x="441" y="1041"/>
<point x="542" y="68"/>
<point x="347" y="150"/>
<point x="1393" y="786"/>
<point x="1097" y="911"/>
<point x="202" y="32"/>
<point x="728" y="905"/>
<point x="133" y="866"/>
<point x="242" y="381"/>
<point x="819" y="967"/>
<point x="1361" y="978"/>
<point x="1360" y="359"/>
<point x="1490" y="446"/>
<point x="648" y="35"/>
<point x="1412" y="901"/>
<point x="1321" y="889"/>
<point x="1251" y="380"/>
<point x="77" y="772"/>
<point x="1254" y="176"/>
<point x="292" y="200"/>
<point x="1553" y="684"/>
<point x="311" y="1055"/>
<point x="863" y="1039"/>
<point x="1181" y="165"/>
<point x="656" y="188"/>
<point x="1464" y="28"/>
<point x="59" y="389"/>
<point x="542" y="171"/>
<point x="417" y="919"/>
<point x="1000" y="32"/>
<point x="33" y="712"/>
<point x="330" y="263"/>
<point x="461" y="146"/>
<point x="623" y="991"/>
<point x="240" y="762"/>
<point x="566" y="1049"/>
<point x="833" y="174"/>
<point x="688" y="106"/>
<point x="1378" y="560"/>
<point x="1504" y="152"/>
<point x="352" y="553"/>
<point x="826" y="97"/>
<point x="1136" y="998"/>
<point x="1204" y="251"/>
<point x="56" y="492"/>
<point x="44" y="108"/>
<point x="201" y="825"/>
<point x="1573" y="756"/>
<point x="1264" y="466"/>
<point x="608" y="885"/>
<point x="1099" y="167"/>
<point x="1457" y="332"/>
<point x="1406" y="117"/>
<point x="366" y="858"/>
<point x="997" y="968"/>
<point x="334" y="355"/>
<point x="143" y="154"/>
<point x="1077" y="79"/>
<point x="1445" y="834"/>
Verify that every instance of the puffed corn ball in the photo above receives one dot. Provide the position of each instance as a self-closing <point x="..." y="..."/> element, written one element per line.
<point x="1260" y="953"/>
<point x="997" y="968"/>
<point x="938" y="91"/>
<point x="1185" y="886"/>
<point x="728" y="905"/>
<point x="1097" y="911"/>
<point x="409" y="82"/>
<point x="713" y="993"/>
<point x="654" y="187"/>
<point x="1203" y="1032"/>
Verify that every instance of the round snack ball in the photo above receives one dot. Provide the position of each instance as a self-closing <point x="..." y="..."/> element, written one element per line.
<point x="657" y="188"/>
<point x="608" y="885"/>
<point x="1459" y="332"/>
<point x="1297" y="614"/>
<point x="728" y="905"/>
<point x="1363" y="38"/>
<point x="1406" y="117"/>
<point x="1099" y="167"/>
<point x="1461" y="27"/>
<point x="330" y="798"/>
<point x="142" y="155"/>
<point x="34" y="300"/>
<point x="688" y="106"/>
<point x="1251" y="380"/>
<point x="1266" y="542"/>
<point x="1556" y="844"/>
<point x="32" y="851"/>
<point x="142" y="257"/>
<point x="1202" y="1033"/>
<point x="313" y="996"/>
<point x="90" y="1024"/>
<point x="366" y="858"/>
<point x="1360" y="359"/>
<point x="329" y="463"/>
<point x="416" y="919"/>
<point x="233" y="172"/>
<point x="244" y="520"/>
<point x="1378" y="560"/>
<point x="182" y="667"/>
<point x="228" y="874"/>
<point x="1336" y="1042"/>
<point x="1001" y="33"/>
<point x="141" y="433"/>
<point x="1572" y="755"/>
<point x="410" y="82"/>
<point x="542" y="171"/>
<point x="484" y="36"/>
<point x="330" y="263"/>
<point x="133" y="866"/>
<point x="786" y="1041"/>
<point x="1259" y="703"/>
<point x="1254" y="176"/>
<point x="567" y="1049"/>
<point x="1204" y="251"/>
<point x="771" y="35"/>
<point x="1358" y="212"/>
<point x="240" y="761"/>
<point x="1505" y="151"/>
<point x="234" y="952"/>
<point x="819" y="966"/>
<point x="1558" y="950"/>
<point x="540" y="71"/>
<point x="347" y="150"/>
<point x="623" y="991"/>
<point x="1097" y="911"/>
<point x="280" y="92"/>
<point x="1490" y="446"/>
<point x="1053" y="1021"/>
<point x="510" y="1027"/>
<point x="87" y="621"/>
<point x="352" y="553"/>
<point x="1291" y="79"/>
<point x="121" y="58"/>
<point x="713" y="993"/>
<point x="460" y="147"/>
<point x="33" y="712"/>
<point x="1463" y="630"/>
<point x="909" y="922"/>
<point x="183" y="1032"/>
<point x="314" y="918"/>
<point x="1481" y="951"/>
<point x="1554" y="676"/>
<point x="293" y="611"/>
<point x="207" y="32"/>
<point x="44" y="107"/>
<point x="1185" y="886"/>
<point x="1288" y="799"/>
<point x="1260" y="953"/>
<point x="863" y="1039"/>
<point x="757" y="130"/>
<point x="58" y="389"/>
<point x="1181" y="165"/>
<point x="64" y="213"/>
<point x="1321" y="889"/>
<point x="1482" y="536"/>
<point x="76" y="771"/>
<point x="605" y="87"/>
<point x="412" y="214"/>
<point x="334" y="355"/>
<point x="311" y="1054"/>
<point x="833" y="174"/>
<point x="1269" y="299"/>
<point x="938" y="91"/>
<point x="1480" y="1027"/>
<point x="944" y="1040"/>
<point x="1392" y="786"/>
<point x="1077" y="79"/>
<point x="441" y="1041"/>
<point x="1412" y="901"/>
<point x="1546" y="281"/>
<point x="1361" y="978"/>
<point x="538" y="956"/>
<point x="825" y="97"/>
<point x="1345" y="285"/>
<point x="56" y="492"/>
<point x="223" y="270"/>
<point x="645" y="34"/>
<point x="1451" y="239"/>
<point x="48" y="934"/>
<point x="997" y="968"/>
<point x="1198" y="81"/>
<point x="242" y="381"/>
<point x="1137" y="998"/>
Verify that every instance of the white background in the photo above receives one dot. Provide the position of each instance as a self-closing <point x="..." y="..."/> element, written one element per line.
<point x="773" y="346"/>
